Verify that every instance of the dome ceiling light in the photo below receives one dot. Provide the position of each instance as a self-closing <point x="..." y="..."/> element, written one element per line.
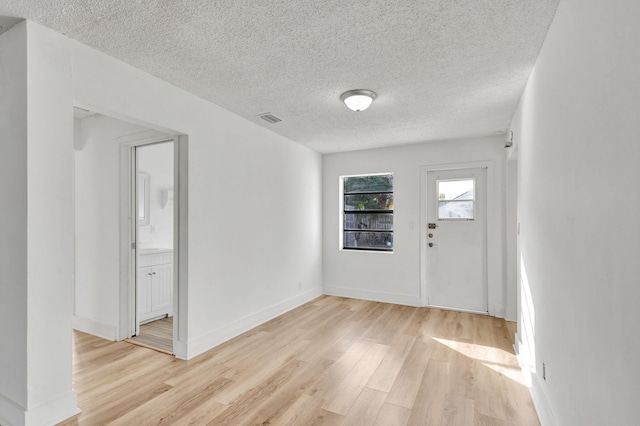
<point x="358" y="100"/>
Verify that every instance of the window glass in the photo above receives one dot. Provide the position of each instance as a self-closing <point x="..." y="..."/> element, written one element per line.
<point x="368" y="221"/>
<point x="456" y="189"/>
<point x="378" y="183"/>
<point x="368" y="212"/>
<point x="368" y="240"/>
<point x="455" y="209"/>
<point x="456" y="199"/>
<point x="363" y="202"/>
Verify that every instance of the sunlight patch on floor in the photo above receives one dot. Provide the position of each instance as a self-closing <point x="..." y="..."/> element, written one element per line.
<point x="496" y="359"/>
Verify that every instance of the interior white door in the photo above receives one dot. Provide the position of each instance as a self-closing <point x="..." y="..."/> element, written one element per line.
<point x="456" y="239"/>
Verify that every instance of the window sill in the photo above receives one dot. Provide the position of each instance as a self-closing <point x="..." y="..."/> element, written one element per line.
<point x="366" y="251"/>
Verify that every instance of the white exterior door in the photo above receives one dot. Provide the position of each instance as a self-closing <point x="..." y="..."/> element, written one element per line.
<point x="456" y="240"/>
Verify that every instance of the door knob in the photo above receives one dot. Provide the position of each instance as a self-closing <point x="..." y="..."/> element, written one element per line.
<point x="431" y="244"/>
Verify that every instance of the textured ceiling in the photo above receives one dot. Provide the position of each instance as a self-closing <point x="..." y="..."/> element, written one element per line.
<point x="441" y="68"/>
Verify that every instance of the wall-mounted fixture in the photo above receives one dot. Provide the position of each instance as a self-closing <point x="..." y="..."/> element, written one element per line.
<point x="358" y="100"/>
<point x="144" y="191"/>
<point x="509" y="141"/>
<point x="167" y="198"/>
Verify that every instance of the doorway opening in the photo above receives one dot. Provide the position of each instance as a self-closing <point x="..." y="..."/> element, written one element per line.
<point x="106" y="228"/>
<point x="153" y="245"/>
<point x="158" y="265"/>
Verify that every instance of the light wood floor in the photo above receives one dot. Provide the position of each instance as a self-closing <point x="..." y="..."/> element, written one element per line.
<point x="156" y="334"/>
<point x="333" y="361"/>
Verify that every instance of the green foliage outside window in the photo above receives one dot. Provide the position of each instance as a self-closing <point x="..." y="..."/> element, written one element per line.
<point x="379" y="183"/>
<point x="368" y="212"/>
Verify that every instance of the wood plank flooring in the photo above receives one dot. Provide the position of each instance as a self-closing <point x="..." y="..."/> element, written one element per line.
<point x="333" y="361"/>
<point x="156" y="334"/>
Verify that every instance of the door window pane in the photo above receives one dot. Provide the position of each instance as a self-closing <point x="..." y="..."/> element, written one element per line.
<point x="456" y="199"/>
<point x="455" y="210"/>
<point x="458" y="189"/>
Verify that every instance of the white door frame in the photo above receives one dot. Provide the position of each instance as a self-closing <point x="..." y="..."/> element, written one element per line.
<point x="127" y="311"/>
<point x="494" y="264"/>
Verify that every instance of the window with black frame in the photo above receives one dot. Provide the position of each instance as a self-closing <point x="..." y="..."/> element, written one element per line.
<point x="368" y="212"/>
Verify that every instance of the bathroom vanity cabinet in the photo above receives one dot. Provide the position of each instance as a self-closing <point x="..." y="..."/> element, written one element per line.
<point x="155" y="284"/>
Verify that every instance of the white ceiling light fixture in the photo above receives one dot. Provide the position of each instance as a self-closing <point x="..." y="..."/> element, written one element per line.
<point x="358" y="100"/>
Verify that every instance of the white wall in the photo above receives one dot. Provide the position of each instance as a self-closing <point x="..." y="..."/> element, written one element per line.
<point x="254" y="212"/>
<point x="396" y="277"/>
<point x="577" y="131"/>
<point x="13" y="226"/>
<point x="37" y="233"/>
<point x="97" y="227"/>
<point x="254" y="200"/>
<point x="157" y="161"/>
<point x="511" y="229"/>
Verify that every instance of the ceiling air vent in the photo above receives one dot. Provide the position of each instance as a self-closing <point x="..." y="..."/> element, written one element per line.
<point x="268" y="117"/>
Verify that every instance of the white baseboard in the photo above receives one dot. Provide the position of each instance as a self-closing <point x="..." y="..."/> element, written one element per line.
<point x="220" y="335"/>
<point x="543" y="409"/>
<point x="375" y="296"/>
<point x="49" y="413"/>
<point x="180" y="350"/>
<point x="86" y="325"/>
<point x="540" y="402"/>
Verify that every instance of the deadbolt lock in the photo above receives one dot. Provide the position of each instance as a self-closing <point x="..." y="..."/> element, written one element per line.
<point x="430" y="235"/>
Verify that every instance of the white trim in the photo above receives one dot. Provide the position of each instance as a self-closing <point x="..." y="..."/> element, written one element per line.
<point x="493" y="226"/>
<point x="348" y="250"/>
<point x="446" y="308"/>
<point x="159" y="130"/>
<point x="127" y="230"/>
<point x="375" y="296"/>
<point x="49" y="413"/>
<point x="226" y="332"/>
<point x="540" y="402"/>
<point x="545" y="415"/>
<point x="181" y="245"/>
<point x="364" y="174"/>
<point x="511" y="252"/>
<point x="97" y="328"/>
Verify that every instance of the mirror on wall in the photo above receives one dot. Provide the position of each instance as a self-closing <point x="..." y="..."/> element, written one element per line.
<point x="144" y="189"/>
